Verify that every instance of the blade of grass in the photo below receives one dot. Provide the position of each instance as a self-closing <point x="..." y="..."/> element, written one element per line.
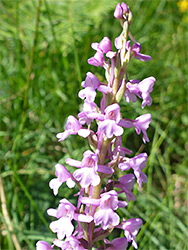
<point x="77" y="61"/>
<point x="7" y="217"/>
<point x="154" y="149"/>
<point x="27" y="194"/>
<point x="5" y="231"/>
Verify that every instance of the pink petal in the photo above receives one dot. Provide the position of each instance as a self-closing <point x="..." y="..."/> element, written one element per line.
<point x="52" y="212"/>
<point x="86" y="177"/>
<point x="125" y="123"/>
<point x="90" y="201"/>
<point x="94" y="46"/>
<point x="104" y="89"/>
<point x="70" y="183"/>
<point x="142" y="57"/>
<point x="83" y="218"/>
<point x="55" y="184"/>
<point x="105" y="45"/>
<point x="73" y="162"/>
<point x="42" y="245"/>
<point x="64" y="135"/>
<point x="88" y="93"/>
<point x="63" y="227"/>
<point x="106" y="217"/>
<point x="61" y="172"/>
<point x="105" y="169"/>
<point x="84" y="132"/>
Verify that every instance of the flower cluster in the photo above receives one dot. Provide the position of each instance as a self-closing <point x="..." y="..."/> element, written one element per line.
<point x="89" y="223"/>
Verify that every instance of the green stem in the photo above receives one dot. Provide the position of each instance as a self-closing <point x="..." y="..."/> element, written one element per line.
<point x="97" y="189"/>
<point x="102" y="156"/>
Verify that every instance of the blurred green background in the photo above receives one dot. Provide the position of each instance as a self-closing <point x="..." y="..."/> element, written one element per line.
<point x="44" y="47"/>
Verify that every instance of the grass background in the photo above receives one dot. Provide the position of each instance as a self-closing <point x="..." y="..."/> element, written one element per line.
<point x="45" y="45"/>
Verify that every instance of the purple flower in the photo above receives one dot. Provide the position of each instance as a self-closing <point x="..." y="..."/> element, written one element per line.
<point x="69" y="243"/>
<point x="91" y="81"/>
<point x="118" y="13"/>
<point x="126" y="183"/>
<point x="142" y="90"/>
<point x="104" y="46"/>
<point x="146" y="87"/>
<point x="137" y="163"/>
<point x="42" y="245"/>
<point x="90" y="84"/>
<point x="116" y="244"/>
<point x="73" y="127"/>
<point x="120" y="10"/>
<point x="129" y="96"/>
<point x="118" y="149"/>
<point x="65" y="213"/>
<point x="89" y="161"/>
<point x="63" y="227"/>
<point x="97" y="60"/>
<point x="110" y="121"/>
<point x="106" y="215"/>
<point x="131" y="228"/>
<point x="141" y="123"/>
<point x="88" y="108"/>
<point x="112" y="112"/>
<point x="135" y="51"/>
<point x="125" y="8"/>
<point x="86" y="175"/>
<point x="62" y="176"/>
<point x="88" y="93"/>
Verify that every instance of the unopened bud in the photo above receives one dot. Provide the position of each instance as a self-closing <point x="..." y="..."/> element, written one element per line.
<point x="118" y="13"/>
<point x="125" y="8"/>
<point x="121" y="10"/>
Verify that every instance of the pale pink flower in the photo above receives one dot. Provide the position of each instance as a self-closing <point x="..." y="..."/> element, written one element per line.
<point x="62" y="176"/>
<point x="42" y="245"/>
<point x="73" y="127"/>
